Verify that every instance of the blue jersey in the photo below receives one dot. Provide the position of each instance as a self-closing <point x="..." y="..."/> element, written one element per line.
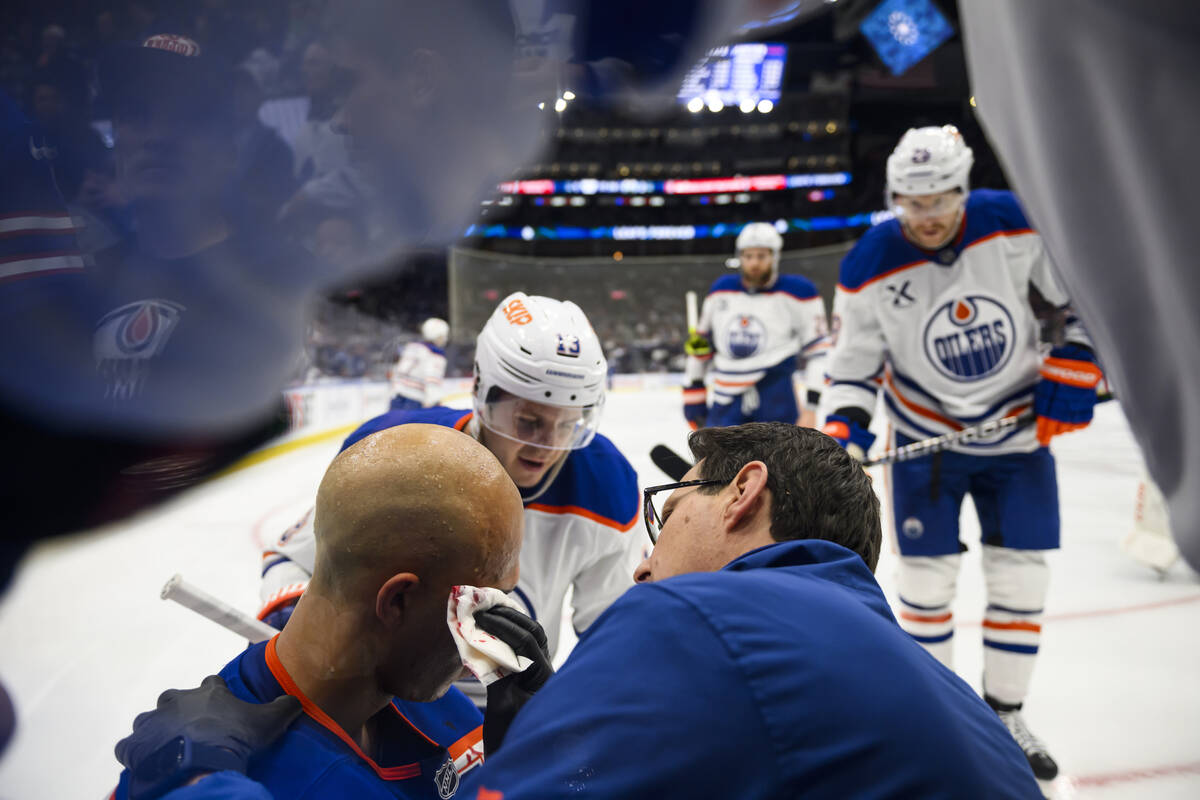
<point x="783" y="675"/>
<point x="418" y="744"/>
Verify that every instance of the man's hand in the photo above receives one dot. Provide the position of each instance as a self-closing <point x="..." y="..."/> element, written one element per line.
<point x="849" y="434"/>
<point x="1064" y="398"/>
<point x="196" y="731"/>
<point x="506" y="696"/>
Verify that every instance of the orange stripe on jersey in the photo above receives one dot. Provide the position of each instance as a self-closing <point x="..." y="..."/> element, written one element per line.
<point x="585" y="513"/>
<point x="485" y="793"/>
<point x="911" y="617"/>
<point x="1032" y="627"/>
<point x="912" y="406"/>
<point x="720" y="382"/>
<point x="466" y="743"/>
<point x="397" y="773"/>
<point x="461" y="425"/>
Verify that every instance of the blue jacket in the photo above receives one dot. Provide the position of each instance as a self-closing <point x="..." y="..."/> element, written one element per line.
<point x="783" y="675"/>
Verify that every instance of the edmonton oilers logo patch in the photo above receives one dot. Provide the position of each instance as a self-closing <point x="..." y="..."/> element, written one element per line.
<point x="969" y="338"/>
<point x="137" y="330"/>
<point x="746" y="336"/>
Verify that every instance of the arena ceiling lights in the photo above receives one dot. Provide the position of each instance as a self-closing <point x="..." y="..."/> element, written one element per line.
<point x="633" y="186"/>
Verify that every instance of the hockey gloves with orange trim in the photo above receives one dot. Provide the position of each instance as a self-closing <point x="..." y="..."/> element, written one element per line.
<point x="1064" y="397"/>
<point x="505" y="697"/>
<point x="850" y="434"/>
<point x="695" y="404"/>
<point x="197" y="731"/>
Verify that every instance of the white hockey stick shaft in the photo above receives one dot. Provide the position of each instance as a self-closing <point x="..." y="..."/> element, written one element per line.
<point x="218" y="611"/>
<point x="693" y="316"/>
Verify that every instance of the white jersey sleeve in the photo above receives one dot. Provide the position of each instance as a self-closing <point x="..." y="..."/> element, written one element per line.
<point x="808" y="317"/>
<point x="287" y="566"/>
<point x="857" y="353"/>
<point x="418" y="373"/>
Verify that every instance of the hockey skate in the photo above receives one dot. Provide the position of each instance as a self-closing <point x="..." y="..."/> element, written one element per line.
<point x="1045" y="769"/>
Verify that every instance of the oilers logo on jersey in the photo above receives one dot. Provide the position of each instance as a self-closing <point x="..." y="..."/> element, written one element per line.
<point x="969" y="338"/>
<point x="137" y="330"/>
<point x="746" y="335"/>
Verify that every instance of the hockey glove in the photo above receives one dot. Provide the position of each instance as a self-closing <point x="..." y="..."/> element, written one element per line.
<point x="1065" y="395"/>
<point x="697" y="346"/>
<point x="508" y="695"/>
<point x="849" y="434"/>
<point x="695" y="404"/>
<point x="196" y="731"/>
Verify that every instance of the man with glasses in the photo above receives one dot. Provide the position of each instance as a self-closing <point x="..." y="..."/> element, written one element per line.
<point x="757" y="657"/>
<point x="935" y="306"/>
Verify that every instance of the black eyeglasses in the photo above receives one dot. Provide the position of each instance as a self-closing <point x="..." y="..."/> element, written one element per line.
<point x="650" y="515"/>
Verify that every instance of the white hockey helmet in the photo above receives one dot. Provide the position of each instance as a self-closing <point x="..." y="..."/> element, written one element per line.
<point x="761" y="234"/>
<point x="928" y="160"/>
<point x="542" y="351"/>
<point x="436" y="331"/>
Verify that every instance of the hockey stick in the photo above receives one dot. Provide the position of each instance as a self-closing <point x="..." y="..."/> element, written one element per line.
<point x="218" y="611"/>
<point x="693" y="317"/>
<point x="674" y="465"/>
<point x="936" y="444"/>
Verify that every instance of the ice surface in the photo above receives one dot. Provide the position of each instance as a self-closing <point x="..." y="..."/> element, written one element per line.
<point x="86" y="643"/>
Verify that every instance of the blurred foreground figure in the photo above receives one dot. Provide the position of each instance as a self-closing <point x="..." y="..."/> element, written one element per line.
<point x="1106" y="170"/>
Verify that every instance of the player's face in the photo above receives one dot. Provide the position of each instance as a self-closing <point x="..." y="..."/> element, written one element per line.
<point x="691" y="538"/>
<point x="930" y="220"/>
<point x="527" y="438"/>
<point x="756" y="263"/>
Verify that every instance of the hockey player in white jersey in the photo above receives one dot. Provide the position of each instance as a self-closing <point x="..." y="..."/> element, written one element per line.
<point x="752" y="327"/>
<point x="935" y="305"/>
<point x="417" y="375"/>
<point x="539" y="390"/>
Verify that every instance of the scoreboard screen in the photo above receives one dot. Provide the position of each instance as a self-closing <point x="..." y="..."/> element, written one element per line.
<point x="736" y="74"/>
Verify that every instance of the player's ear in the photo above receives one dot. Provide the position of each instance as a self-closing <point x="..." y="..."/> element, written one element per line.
<point x="749" y="494"/>
<point x="391" y="601"/>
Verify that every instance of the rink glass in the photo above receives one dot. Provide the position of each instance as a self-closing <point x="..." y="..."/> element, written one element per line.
<point x="650" y="514"/>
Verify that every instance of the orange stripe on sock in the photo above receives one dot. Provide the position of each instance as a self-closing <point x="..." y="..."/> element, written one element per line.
<point x="908" y="615"/>
<point x="1012" y="626"/>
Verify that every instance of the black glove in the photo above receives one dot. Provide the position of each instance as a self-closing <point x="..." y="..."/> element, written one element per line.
<point x="506" y="696"/>
<point x="199" y="730"/>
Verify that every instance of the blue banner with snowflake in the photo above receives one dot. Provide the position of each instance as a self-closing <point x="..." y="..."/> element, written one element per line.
<point x="905" y="31"/>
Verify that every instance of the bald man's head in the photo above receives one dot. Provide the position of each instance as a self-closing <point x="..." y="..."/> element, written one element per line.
<point x="419" y="498"/>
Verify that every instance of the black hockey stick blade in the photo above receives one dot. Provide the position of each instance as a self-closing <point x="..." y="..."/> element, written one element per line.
<point x="670" y="462"/>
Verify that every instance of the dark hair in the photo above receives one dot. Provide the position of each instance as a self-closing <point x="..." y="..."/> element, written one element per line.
<point x="817" y="490"/>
